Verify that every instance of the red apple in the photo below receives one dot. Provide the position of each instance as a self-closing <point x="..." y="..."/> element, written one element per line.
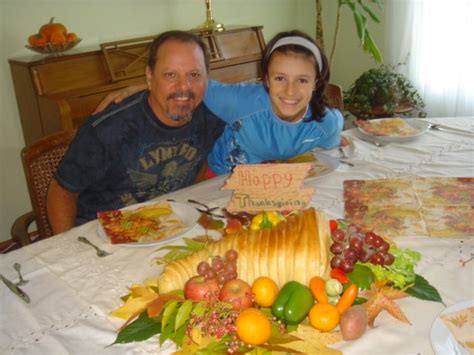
<point x="197" y="288"/>
<point x="238" y="293"/>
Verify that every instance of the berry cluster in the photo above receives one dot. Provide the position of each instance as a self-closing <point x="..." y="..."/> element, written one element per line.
<point x="353" y="245"/>
<point x="217" y="321"/>
<point x="221" y="269"/>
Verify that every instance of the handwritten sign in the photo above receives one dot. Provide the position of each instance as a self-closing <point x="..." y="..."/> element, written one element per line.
<point x="265" y="187"/>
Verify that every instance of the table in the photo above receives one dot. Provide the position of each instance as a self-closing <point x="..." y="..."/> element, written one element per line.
<point x="73" y="291"/>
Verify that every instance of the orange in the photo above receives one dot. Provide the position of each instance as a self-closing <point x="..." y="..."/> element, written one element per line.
<point x="71" y="37"/>
<point x="265" y="291"/>
<point x="253" y="327"/>
<point x="324" y="317"/>
<point x="37" y="40"/>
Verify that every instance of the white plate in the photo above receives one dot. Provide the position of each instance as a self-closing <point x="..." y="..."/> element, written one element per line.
<point x="188" y="215"/>
<point x="441" y="339"/>
<point x="328" y="160"/>
<point x="420" y="125"/>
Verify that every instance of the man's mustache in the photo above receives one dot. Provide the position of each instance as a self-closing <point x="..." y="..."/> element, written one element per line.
<point x="182" y="95"/>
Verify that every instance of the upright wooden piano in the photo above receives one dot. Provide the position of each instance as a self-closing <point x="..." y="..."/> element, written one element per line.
<point x="57" y="93"/>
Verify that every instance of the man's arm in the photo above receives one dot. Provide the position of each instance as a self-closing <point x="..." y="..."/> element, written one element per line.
<point x="61" y="207"/>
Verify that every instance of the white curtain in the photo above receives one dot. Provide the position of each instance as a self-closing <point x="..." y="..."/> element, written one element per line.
<point x="437" y="37"/>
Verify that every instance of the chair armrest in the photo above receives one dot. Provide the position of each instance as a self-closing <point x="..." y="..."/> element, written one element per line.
<point x="19" y="230"/>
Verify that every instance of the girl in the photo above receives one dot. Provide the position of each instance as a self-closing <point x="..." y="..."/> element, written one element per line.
<point x="281" y="117"/>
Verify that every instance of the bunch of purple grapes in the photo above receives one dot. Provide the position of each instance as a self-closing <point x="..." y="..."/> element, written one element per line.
<point x="221" y="269"/>
<point x="353" y="245"/>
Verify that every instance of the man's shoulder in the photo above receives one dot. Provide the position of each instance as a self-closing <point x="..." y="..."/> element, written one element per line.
<point x="204" y="114"/>
<point x="124" y="109"/>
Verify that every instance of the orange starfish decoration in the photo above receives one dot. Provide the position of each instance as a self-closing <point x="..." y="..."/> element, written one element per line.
<point x="380" y="297"/>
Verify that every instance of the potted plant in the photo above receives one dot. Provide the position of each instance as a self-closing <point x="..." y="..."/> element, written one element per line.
<point x="382" y="92"/>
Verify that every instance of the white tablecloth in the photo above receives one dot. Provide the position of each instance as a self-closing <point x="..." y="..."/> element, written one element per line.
<point x="72" y="291"/>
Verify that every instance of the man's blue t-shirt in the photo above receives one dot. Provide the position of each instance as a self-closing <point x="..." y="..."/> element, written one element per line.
<point x="254" y="133"/>
<point x="126" y="155"/>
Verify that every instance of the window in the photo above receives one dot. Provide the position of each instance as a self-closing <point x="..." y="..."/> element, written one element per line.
<point x="434" y="37"/>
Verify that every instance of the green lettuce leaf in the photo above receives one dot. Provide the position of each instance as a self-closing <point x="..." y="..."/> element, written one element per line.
<point x="402" y="271"/>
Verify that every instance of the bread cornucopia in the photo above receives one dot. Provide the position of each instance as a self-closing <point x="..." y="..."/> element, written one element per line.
<point x="296" y="250"/>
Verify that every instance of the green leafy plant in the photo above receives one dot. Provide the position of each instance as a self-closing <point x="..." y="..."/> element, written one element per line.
<point x="363" y="11"/>
<point x="380" y="92"/>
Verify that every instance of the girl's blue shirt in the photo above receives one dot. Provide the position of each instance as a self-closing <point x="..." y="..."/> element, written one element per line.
<point x="254" y="133"/>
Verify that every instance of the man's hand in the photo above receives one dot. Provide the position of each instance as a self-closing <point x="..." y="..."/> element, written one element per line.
<point x="118" y="96"/>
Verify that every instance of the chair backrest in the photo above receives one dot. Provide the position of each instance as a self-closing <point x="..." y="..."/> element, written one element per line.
<point x="334" y="97"/>
<point x="40" y="161"/>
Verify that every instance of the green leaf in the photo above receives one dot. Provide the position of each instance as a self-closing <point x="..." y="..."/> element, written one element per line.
<point x="424" y="291"/>
<point x="177" y="252"/>
<point x="372" y="15"/>
<point x="359" y="25"/>
<point x="168" y="331"/>
<point x="362" y="276"/>
<point x="199" y="309"/>
<point x="217" y="346"/>
<point x="359" y="300"/>
<point x="168" y="313"/>
<point x="373" y="49"/>
<point x="194" y="245"/>
<point x="183" y="313"/>
<point x="141" y="329"/>
<point x="178" y="336"/>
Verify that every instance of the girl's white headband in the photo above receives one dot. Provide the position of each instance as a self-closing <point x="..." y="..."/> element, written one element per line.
<point x="303" y="42"/>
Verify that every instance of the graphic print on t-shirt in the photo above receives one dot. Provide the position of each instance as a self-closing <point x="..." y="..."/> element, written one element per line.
<point x="161" y="169"/>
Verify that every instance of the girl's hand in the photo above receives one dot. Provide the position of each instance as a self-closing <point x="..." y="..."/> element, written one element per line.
<point x="344" y="141"/>
<point x="118" y="96"/>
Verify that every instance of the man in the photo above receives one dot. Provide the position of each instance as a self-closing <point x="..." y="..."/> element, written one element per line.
<point x="152" y="143"/>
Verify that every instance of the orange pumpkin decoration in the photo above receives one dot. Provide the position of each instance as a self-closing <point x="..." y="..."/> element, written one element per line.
<point x="57" y="39"/>
<point x="52" y="27"/>
<point x="37" y="40"/>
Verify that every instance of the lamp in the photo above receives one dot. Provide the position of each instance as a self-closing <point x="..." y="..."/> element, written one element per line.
<point x="210" y="24"/>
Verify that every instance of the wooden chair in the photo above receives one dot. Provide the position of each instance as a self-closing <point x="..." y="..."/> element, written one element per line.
<point x="334" y="97"/>
<point x="40" y="161"/>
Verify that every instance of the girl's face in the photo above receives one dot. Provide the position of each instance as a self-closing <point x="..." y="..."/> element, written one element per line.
<point x="291" y="81"/>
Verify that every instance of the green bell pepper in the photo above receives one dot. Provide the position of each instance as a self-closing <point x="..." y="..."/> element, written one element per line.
<point x="293" y="303"/>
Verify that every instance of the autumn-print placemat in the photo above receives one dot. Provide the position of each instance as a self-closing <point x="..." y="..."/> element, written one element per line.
<point x="423" y="206"/>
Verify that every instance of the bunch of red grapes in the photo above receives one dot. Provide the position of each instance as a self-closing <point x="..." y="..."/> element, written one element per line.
<point x="353" y="245"/>
<point x="221" y="269"/>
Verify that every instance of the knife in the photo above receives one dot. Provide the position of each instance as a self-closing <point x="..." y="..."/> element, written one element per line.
<point x="15" y="289"/>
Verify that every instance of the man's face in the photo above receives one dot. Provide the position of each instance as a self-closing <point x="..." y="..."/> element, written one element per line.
<point x="178" y="82"/>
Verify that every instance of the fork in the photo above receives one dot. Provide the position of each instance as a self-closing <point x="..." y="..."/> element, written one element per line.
<point x="21" y="280"/>
<point x="100" y="253"/>
<point x="438" y="127"/>
<point x="343" y="153"/>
